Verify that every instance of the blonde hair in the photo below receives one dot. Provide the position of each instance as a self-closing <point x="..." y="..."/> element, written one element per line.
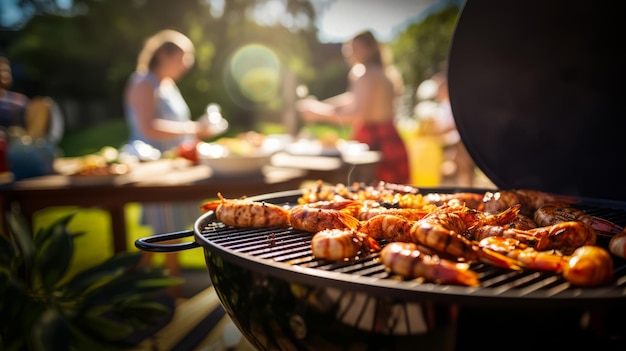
<point x="167" y="40"/>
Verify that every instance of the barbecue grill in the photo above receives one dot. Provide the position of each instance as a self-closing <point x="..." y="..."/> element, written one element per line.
<point x="534" y="88"/>
<point x="282" y="297"/>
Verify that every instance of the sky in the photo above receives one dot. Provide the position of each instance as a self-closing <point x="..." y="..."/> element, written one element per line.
<point x="339" y="20"/>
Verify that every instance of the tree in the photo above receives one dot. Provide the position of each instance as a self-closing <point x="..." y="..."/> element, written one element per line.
<point x="421" y="49"/>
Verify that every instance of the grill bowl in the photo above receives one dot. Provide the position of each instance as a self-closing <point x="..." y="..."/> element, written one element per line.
<point x="281" y="297"/>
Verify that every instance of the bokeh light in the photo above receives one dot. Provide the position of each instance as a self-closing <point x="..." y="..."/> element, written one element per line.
<point x="254" y="72"/>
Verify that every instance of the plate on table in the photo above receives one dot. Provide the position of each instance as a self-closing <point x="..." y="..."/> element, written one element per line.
<point x="237" y="165"/>
<point x="99" y="175"/>
<point x="306" y="147"/>
<point x="225" y="163"/>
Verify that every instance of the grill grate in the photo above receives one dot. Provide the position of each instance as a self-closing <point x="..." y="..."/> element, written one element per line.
<point x="286" y="252"/>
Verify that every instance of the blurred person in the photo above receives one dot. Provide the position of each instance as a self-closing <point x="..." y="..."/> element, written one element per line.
<point x="436" y="112"/>
<point x="12" y="104"/>
<point x="368" y="106"/>
<point x="158" y="115"/>
<point x="30" y="129"/>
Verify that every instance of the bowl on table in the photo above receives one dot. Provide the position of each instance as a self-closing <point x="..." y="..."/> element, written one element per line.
<point x="224" y="162"/>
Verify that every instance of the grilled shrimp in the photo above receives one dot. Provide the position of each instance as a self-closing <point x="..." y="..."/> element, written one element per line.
<point x="526" y="256"/>
<point x="530" y="200"/>
<point x="314" y="220"/>
<point x="428" y="233"/>
<point x="388" y="227"/>
<point x="589" y="266"/>
<point x="345" y="205"/>
<point x="471" y="200"/>
<point x="413" y="214"/>
<point x="407" y="260"/>
<point x="555" y="213"/>
<point x="439" y="231"/>
<point x="246" y="213"/>
<point x="617" y="244"/>
<point x="486" y="231"/>
<point x="443" y="232"/>
<point x="522" y="222"/>
<point x="341" y="244"/>
<point x="474" y="219"/>
<point x="565" y="236"/>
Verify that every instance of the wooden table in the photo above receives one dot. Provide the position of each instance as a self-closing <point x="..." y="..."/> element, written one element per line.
<point x="157" y="181"/>
<point x="174" y="180"/>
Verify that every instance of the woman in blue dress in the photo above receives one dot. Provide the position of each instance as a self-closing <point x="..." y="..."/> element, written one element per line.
<point x="158" y="115"/>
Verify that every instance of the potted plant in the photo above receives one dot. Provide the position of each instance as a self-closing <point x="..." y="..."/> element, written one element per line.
<point x="102" y="307"/>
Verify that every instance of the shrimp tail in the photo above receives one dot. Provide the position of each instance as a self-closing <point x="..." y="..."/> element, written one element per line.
<point x="507" y="216"/>
<point x="456" y="273"/>
<point x="371" y="244"/>
<point x="486" y="255"/>
<point x="348" y="220"/>
<point x="212" y="205"/>
<point x="603" y="225"/>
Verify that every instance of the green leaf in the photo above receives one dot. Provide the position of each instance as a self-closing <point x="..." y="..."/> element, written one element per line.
<point x="128" y="285"/>
<point x="107" y="328"/>
<point x="53" y="255"/>
<point x="43" y="234"/>
<point x="23" y="239"/>
<point x="112" y="267"/>
<point x="6" y="252"/>
<point x="51" y="332"/>
<point x="146" y="307"/>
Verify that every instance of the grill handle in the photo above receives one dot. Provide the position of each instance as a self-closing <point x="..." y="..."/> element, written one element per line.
<point x="146" y="244"/>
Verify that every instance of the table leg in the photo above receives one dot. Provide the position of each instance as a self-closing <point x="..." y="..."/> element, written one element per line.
<point x="118" y="227"/>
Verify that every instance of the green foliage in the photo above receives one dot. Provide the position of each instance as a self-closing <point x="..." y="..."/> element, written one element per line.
<point x="95" y="309"/>
<point x="423" y="47"/>
<point x="80" y="142"/>
<point x="86" y="55"/>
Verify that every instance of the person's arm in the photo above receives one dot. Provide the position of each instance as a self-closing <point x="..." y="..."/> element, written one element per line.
<point x="340" y="101"/>
<point x="354" y="107"/>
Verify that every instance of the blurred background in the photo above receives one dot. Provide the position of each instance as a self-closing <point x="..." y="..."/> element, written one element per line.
<point x="252" y="55"/>
<point x="254" y="58"/>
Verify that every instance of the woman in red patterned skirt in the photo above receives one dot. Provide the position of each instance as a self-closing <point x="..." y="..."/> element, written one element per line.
<point x="368" y="106"/>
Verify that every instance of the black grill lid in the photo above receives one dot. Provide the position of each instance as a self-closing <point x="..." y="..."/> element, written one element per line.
<point x="537" y="91"/>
